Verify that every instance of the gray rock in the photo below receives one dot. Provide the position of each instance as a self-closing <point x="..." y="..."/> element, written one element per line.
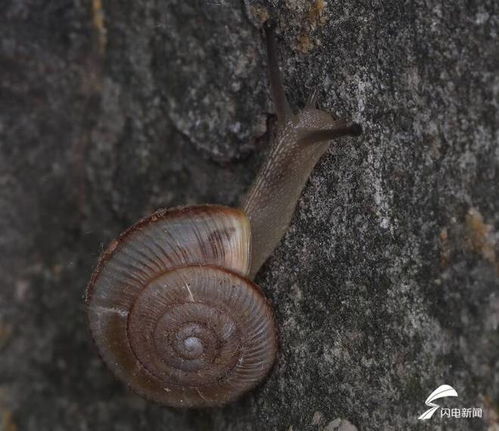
<point x="385" y="286"/>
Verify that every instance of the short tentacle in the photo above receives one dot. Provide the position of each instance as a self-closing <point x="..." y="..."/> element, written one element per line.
<point x="313" y="99"/>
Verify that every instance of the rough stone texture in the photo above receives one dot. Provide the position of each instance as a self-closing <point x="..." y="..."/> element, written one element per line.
<point x="386" y="284"/>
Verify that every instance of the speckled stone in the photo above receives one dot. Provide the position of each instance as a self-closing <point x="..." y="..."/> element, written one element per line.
<point x="385" y="286"/>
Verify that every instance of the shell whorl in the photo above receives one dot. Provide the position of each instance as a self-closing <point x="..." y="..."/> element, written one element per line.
<point x="172" y="314"/>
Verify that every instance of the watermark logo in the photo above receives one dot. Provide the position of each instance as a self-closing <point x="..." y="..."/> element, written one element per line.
<point x="442" y="392"/>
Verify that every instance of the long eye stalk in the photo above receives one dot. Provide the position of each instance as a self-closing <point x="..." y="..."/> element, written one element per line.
<point x="281" y="104"/>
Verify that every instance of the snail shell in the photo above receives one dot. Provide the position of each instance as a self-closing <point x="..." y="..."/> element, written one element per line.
<point x="172" y="313"/>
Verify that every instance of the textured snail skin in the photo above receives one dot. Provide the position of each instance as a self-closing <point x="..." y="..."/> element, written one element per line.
<point x="301" y="139"/>
<point x="171" y="304"/>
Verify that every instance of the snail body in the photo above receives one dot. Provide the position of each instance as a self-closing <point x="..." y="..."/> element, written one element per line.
<point x="172" y="306"/>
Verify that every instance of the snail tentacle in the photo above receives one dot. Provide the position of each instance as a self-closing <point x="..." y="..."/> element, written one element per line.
<point x="281" y="104"/>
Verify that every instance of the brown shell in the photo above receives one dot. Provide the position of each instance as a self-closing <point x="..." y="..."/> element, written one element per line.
<point x="172" y="314"/>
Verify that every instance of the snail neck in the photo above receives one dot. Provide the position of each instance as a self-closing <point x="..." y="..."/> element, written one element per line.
<point x="272" y="198"/>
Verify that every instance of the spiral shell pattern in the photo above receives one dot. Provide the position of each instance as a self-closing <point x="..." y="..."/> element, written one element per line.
<point x="172" y="314"/>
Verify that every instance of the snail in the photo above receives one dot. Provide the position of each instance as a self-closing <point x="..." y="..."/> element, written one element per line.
<point x="171" y="304"/>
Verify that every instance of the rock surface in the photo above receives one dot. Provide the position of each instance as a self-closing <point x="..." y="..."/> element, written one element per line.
<point x="385" y="286"/>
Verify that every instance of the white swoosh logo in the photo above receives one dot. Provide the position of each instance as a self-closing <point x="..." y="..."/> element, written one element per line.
<point x="440" y="392"/>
